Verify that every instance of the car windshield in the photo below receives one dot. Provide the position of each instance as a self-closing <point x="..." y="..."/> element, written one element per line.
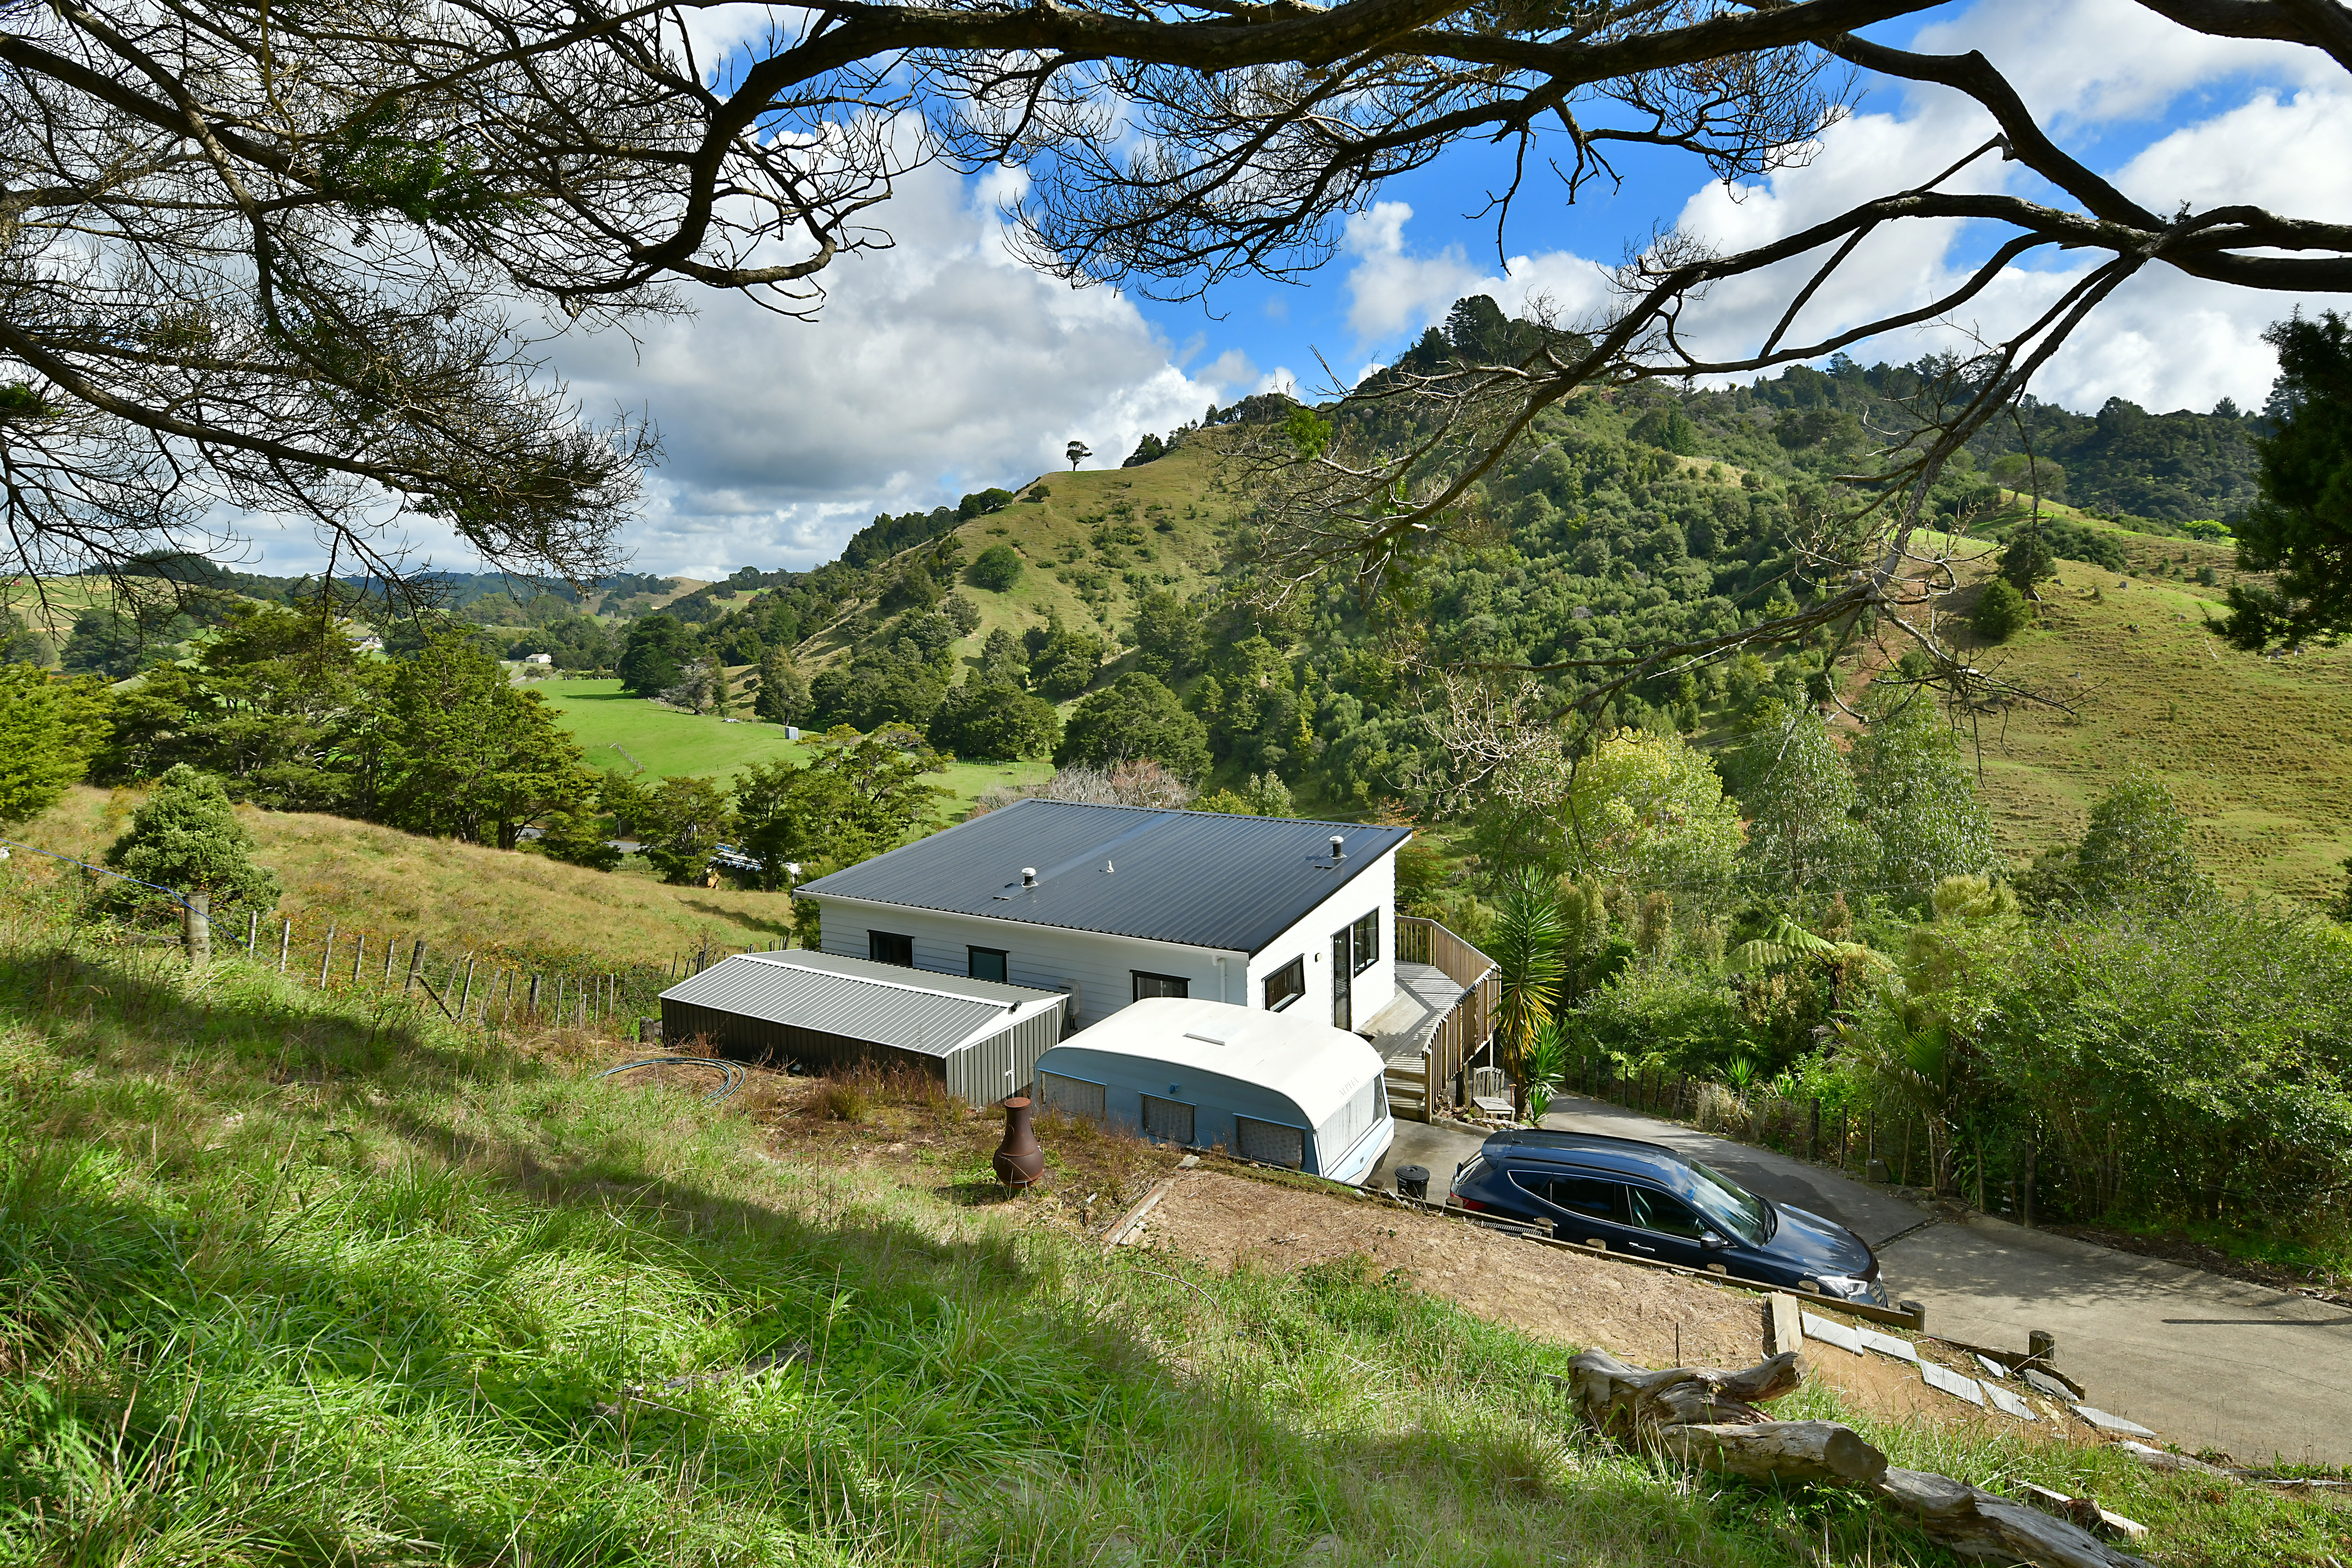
<point x="1730" y="1205"/>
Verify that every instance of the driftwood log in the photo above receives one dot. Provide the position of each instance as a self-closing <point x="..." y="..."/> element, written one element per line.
<point x="1710" y="1418"/>
<point x="1973" y="1522"/>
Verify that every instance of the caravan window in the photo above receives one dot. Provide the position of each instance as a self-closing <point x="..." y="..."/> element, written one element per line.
<point x="1286" y="985"/>
<point x="1270" y="1141"/>
<point x="1167" y="1121"/>
<point x="1354" y="1119"/>
<point x="1071" y="1096"/>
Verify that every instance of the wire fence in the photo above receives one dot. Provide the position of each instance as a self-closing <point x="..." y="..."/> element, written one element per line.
<point x="489" y="988"/>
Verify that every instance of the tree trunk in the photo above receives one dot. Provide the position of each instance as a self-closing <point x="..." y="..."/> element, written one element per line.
<point x="1973" y="1523"/>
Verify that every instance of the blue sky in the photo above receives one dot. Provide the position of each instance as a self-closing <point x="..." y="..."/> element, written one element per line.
<point x="941" y="365"/>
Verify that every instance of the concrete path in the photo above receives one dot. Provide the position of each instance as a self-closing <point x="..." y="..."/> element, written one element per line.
<point x="2202" y="1359"/>
<point x="2205" y="1361"/>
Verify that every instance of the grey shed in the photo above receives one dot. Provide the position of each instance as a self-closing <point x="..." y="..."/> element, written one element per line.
<point x="825" y="1010"/>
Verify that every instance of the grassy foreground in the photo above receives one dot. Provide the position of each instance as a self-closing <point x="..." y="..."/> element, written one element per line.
<point x="288" y="1277"/>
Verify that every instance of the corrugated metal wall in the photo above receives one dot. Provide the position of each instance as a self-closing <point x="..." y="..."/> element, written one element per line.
<point x="742" y="1038"/>
<point x="1005" y="1063"/>
<point x="982" y="1073"/>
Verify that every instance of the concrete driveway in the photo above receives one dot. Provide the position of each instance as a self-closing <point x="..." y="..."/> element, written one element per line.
<point x="2207" y="1360"/>
<point x="2204" y="1360"/>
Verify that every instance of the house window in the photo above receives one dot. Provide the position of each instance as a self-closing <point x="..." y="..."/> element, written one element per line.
<point x="1159" y="986"/>
<point x="882" y="947"/>
<point x="985" y="962"/>
<point x="1368" y="942"/>
<point x="1286" y="985"/>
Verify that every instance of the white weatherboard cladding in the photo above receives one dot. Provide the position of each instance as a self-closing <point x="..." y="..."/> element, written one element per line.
<point x="1372" y="888"/>
<point x="1100" y="968"/>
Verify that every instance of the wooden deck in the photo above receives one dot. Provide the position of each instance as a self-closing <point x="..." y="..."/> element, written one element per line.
<point x="1440" y="1016"/>
<point x="1402" y="1030"/>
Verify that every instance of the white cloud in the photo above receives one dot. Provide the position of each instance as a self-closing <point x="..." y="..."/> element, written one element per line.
<point x="2086" y="63"/>
<point x="2165" y="341"/>
<point x="1394" y="293"/>
<point x="939" y="366"/>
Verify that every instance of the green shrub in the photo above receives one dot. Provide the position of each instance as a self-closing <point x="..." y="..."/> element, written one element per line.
<point x="996" y="569"/>
<point x="1134" y="718"/>
<point x="1999" y="611"/>
<point x="186" y="837"/>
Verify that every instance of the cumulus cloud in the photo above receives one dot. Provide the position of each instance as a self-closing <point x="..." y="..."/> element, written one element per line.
<point x="1394" y="292"/>
<point x="939" y="366"/>
<point x="2164" y="340"/>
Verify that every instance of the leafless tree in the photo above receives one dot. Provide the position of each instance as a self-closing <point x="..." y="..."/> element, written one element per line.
<point x="254" y="257"/>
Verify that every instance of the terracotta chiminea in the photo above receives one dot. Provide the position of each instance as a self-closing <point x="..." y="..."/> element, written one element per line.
<point x="1019" y="1160"/>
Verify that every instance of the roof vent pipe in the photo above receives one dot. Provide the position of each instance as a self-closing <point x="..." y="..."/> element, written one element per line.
<point x="1028" y="876"/>
<point x="1337" y="839"/>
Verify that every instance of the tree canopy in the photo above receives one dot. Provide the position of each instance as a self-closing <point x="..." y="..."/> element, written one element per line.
<point x="2301" y="526"/>
<point x="330" y="302"/>
<point x="1134" y="718"/>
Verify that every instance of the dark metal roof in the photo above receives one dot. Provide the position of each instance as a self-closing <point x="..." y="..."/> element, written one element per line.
<point x="1597" y="1151"/>
<point x="911" y="1009"/>
<point x="1198" y="878"/>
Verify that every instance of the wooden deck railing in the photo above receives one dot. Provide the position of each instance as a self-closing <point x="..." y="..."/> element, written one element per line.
<point x="1463" y="1031"/>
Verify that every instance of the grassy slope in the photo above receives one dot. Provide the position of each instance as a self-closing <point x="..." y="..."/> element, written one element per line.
<point x="458" y="898"/>
<point x="1091" y="548"/>
<point x="2258" y="751"/>
<point x="286" y="1279"/>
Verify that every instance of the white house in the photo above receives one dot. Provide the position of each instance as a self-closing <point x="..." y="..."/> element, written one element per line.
<point x="1112" y="904"/>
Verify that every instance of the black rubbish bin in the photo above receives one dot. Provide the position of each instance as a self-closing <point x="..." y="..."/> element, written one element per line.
<point x="1412" y="1181"/>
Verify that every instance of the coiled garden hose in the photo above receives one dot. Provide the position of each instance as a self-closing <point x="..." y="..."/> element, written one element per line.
<point x="734" y="1071"/>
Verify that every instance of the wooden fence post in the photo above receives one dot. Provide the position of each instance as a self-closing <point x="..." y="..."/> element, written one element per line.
<point x="196" y="929"/>
<point x="416" y="963"/>
<point x="532" y="1006"/>
<point x="359" y="956"/>
<point x="465" y="995"/>
<point x="326" y="955"/>
<point x="285" y="945"/>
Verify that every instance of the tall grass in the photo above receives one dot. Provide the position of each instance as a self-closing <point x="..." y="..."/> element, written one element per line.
<point x="286" y="1278"/>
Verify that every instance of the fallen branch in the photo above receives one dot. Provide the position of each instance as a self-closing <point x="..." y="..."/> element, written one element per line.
<point x="1712" y="1419"/>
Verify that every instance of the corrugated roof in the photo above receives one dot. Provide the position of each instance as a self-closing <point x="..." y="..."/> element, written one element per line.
<point x="911" y="1009"/>
<point x="1198" y="878"/>
<point x="1317" y="1068"/>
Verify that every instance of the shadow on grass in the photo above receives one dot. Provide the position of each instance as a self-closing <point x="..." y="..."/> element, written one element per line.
<point x="438" y="1270"/>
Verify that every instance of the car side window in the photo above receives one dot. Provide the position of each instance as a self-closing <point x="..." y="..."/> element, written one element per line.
<point x="1666" y="1216"/>
<point x="1587" y="1195"/>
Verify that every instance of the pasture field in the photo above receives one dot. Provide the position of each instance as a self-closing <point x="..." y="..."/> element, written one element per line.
<point x="2257" y="750"/>
<point x="600" y="716"/>
<point x="456" y="898"/>
<point x="1094" y="544"/>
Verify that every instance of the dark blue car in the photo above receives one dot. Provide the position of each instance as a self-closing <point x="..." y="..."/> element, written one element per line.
<point x="1649" y="1201"/>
